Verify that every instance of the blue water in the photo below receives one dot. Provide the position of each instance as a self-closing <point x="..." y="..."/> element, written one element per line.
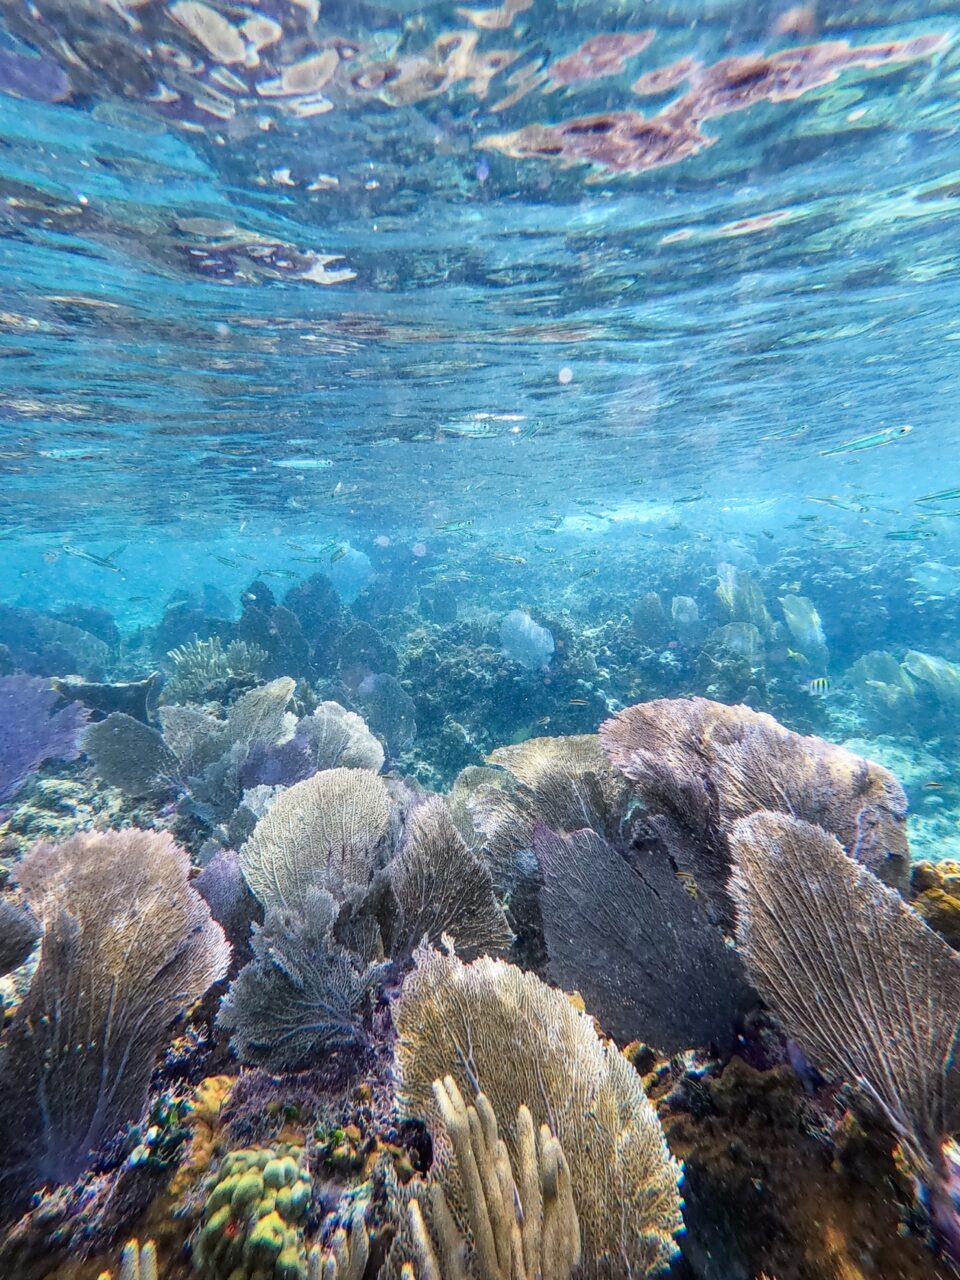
<point x="472" y="311"/>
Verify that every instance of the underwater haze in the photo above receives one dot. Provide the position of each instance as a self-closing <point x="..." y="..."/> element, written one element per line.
<point x="479" y="640"/>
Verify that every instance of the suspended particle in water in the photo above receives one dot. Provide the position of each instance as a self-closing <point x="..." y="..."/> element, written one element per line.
<point x="565" y="376"/>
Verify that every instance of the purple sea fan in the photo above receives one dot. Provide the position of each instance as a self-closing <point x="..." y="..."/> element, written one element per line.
<point x="29" y="734"/>
<point x="128" y="945"/>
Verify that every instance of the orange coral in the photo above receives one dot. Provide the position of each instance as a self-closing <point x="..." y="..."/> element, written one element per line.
<point x="936" y="886"/>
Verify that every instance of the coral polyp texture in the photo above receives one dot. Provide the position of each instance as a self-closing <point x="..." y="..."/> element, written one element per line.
<point x="490" y="1026"/>
<point x="253" y="1216"/>
<point x="520" y="1226"/>
<point x="328" y="831"/>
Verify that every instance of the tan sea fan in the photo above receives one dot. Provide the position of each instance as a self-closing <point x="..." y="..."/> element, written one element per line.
<point x="327" y="832"/>
<point x="704" y="765"/>
<point x="497" y="1030"/>
<point x="855" y="976"/>
<point x="442" y="887"/>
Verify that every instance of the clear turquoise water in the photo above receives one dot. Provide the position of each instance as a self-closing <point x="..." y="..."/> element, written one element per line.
<point x="167" y="366"/>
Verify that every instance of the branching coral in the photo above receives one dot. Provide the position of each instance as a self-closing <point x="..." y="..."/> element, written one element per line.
<point x="501" y="1031"/>
<point x="856" y="977"/>
<point x="700" y="766"/>
<point x="443" y="888"/>
<point x="484" y="1220"/>
<point x="302" y="996"/>
<point x="31" y="731"/>
<point x="329" y="831"/>
<point x="128" y="945"/>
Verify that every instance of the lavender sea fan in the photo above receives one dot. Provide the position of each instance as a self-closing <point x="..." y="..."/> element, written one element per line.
<point x="29" y="733"/>
<point x="128" y="945"/>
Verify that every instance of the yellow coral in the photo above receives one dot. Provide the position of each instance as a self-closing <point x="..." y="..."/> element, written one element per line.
<point x="203" y="1118"/>
<point x="253" y="1217"/>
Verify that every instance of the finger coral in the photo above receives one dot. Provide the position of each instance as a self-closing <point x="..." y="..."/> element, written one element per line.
<point x="127" y="946"/>
<point x="302" y="996"/>
<point x="853" y="973"/>
<point x="475" y="1218"/>
<point x="328" y="831"/>
<point x="136" y="1262"/>
<point x="497" y="1030"/>
<point x="442" y="887"/>
<point x="31" y="731"/>
<point x="346" y="1255"/>
<point x="701" y="765"/>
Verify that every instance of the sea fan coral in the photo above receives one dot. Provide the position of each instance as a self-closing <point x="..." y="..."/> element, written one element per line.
<point x="496" y="1029"/>
<point x="856" y="977"/>
<point x="19" y="932"/>
<point x="700" y="765"/>
<point x="628" y="933"/>
<point x="127" y="946"/>
<point x="31" y="732"/>
<point x="328" y="831"/>
<point x="302" y="997"/>
<point x="443" y="888"/>
<point x="564" y="783"/>
<point x="129" y="754"/>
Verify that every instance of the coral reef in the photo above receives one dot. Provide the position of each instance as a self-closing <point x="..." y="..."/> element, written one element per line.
<point x="442" y="888"/>
<point x="935" y="888"/>
<point x="19" y="932"/>
<point x="127" y="946"/>
<point x="627" y="932"/>
<point x="702" y="765"/>
<point x="329" y="831"/>
<point x="137" y="1262"/>
<point x="253" y="1217"/>
<point x="520" y="1226"/>
<point x="302" y="997"/>
<point x="204" y="669"/>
